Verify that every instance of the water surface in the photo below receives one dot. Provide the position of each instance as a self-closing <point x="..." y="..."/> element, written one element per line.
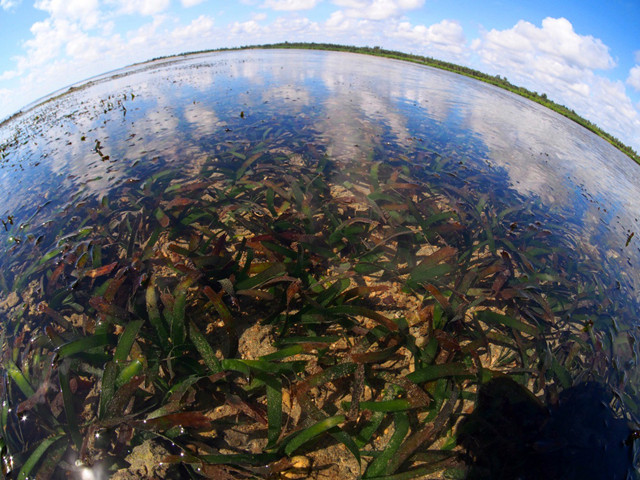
<point x="535" y="206"/>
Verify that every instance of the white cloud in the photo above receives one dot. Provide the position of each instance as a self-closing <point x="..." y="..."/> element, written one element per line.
<point x="377" y="9"/>
<point x="48" y="39"/>
<point x="444" y="39"/>
<point x="8" y="75"/>
<point x="402" y="4"/>
<point x="446" y="35"/>
<point x="339" y="22"/>
<point x="54" y="37"/>
<point x="84" y="11"/>
<point x="85" y="48"/>
<point x="5" y="95"/>
<point x="9" y="4"/>
<point x="250" y="27"/>
<point x="107" y="27"/>
<point x="351" y="31"/>
<point x="198" y="28"/>
<point x="634" y="78"/>
<point x="290" y="28"/>
<point x="525" y="43"/>
<point x="610" y="107"/>
<point x="190" y="3"/>
<point x="552" y="58"/>
<point x="148" y="34"/>
<point x="62" y="33"/>
<point x="141" y="7"/>
<point x="556" y="60"/>
<point x="290" y="5"/>
<point x="296" y="27"/>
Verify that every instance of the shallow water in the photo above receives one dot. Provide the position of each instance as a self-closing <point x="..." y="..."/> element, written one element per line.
<point x="352" y="104"/>
<point x="554" y="202"/>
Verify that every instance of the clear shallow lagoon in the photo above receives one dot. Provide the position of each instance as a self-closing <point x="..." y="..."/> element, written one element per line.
<point x="499" y="238"/>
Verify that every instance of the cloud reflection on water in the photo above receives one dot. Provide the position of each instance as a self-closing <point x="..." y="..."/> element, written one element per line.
<point x="353" y="104"/>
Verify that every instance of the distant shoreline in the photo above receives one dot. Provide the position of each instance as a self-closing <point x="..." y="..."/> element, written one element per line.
<point x="496" y="80"/>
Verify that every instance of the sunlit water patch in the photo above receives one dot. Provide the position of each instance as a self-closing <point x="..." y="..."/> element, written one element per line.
<point x="262" y="263"/>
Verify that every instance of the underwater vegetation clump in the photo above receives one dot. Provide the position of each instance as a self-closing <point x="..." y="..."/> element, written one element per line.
<point x="297" y="302"/>
<point x="271" y="309"/>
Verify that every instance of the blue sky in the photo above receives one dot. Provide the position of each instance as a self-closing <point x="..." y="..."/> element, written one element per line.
<point x="583" y="53"/>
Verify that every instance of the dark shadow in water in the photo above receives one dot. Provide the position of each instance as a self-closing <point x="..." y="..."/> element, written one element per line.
<point x="512" y="435"/>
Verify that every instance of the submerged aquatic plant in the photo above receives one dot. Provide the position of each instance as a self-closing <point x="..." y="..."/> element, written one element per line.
<point x="279" y="303"/>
